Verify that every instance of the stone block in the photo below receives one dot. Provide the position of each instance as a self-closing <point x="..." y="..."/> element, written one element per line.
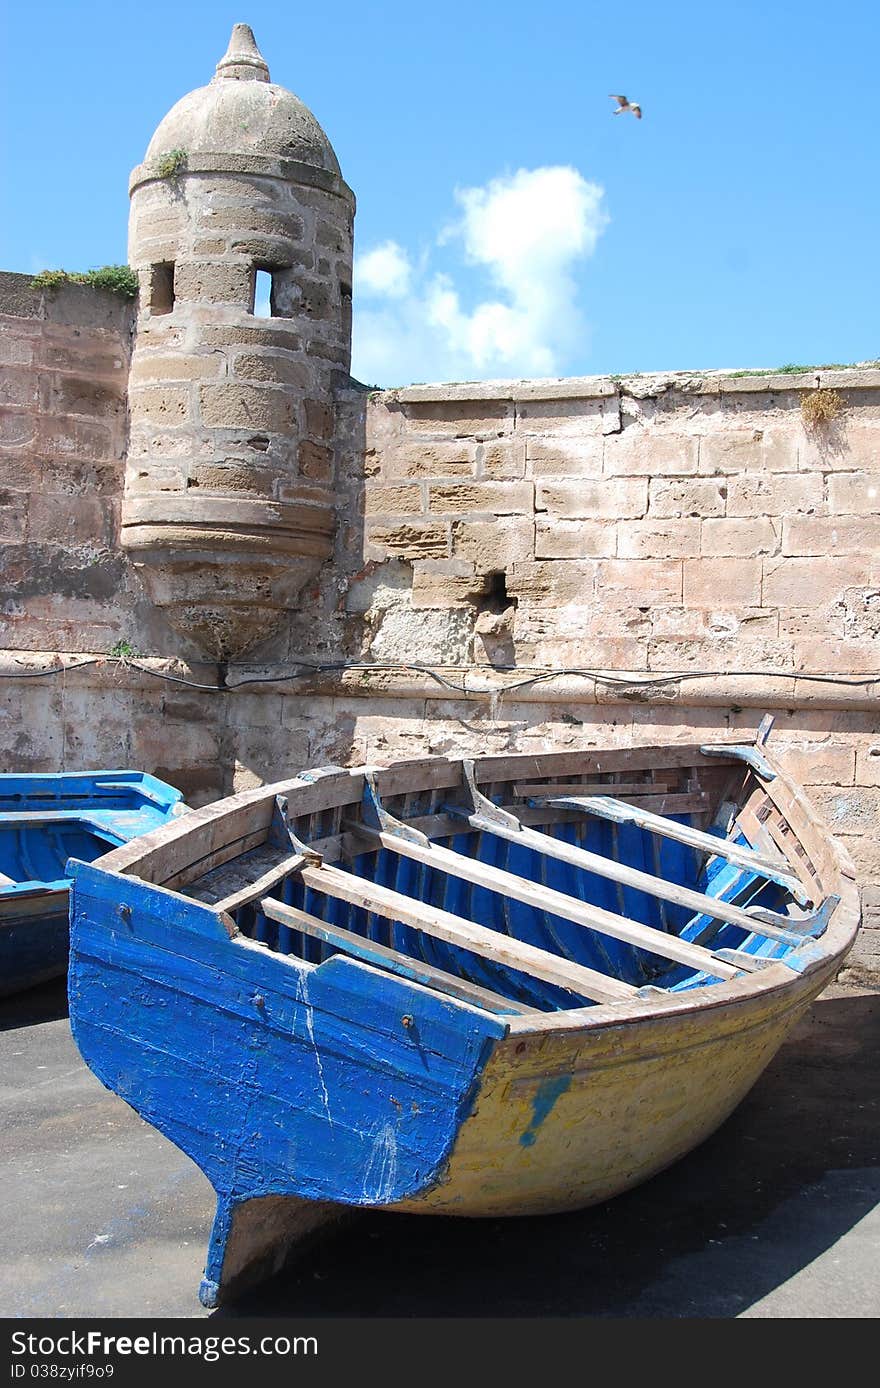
<point x="740" y="538"/>
<point x="18" y="386"/>
<point x="608" y="498"/>
<point x="13" y="516"/>
<point x="787" y="581"/>
<point x="245" y="335"/>
<point x="498" y="498"/>
<point x="214" y="282"/>
<point x="159" y="366"/>
<point x="70" y="394"/>
<point x="823" y="620"/>
<point x="854" y="493"/>
<point x="846" y="445"/>
<point x="502" y="458"/>
<point x="639" y="582"/>
<point x="280" y="370"/>
<point x="816" y="655"/>
<point x="571" y="417"/>
<point x="412" y="458"/>
<point x="17" y="428"/>
<point x="650" y="453"/>
<point x="493" y="545"/>
<point x="774" y="494"/>
<point x="15" y="351"/>
<point x="749" y="450"/>
<point x="849" y="809"/>
<point x="394" y="501"/>
<point x="72" y="520"/>
<point x="167" y="405"/>
<point x="561" y="457"/>
<point x="550" y="582"/>
<point x="246" y="220"/>
<point x="647" y="539"/>
<point x="439" y="583"/>
<point x="319" y="419"/>
<point x="725" y="652"/>
<point x="827" y="535"/>
<point x="233" y="406"/>
<point x="231" y="478"/>
<point x="81" y="438"/>
<point x="409" y="540"/>
<point x="478" y="419"/>
<point x="867" y="771"/>
<point x="738" y="580"/>
<point x="315" y="461"/>
<point x="672" y="497"/>
<point x="574" y="539"/>
<point x="817" y="763"/>
<point x="158" y="477"/>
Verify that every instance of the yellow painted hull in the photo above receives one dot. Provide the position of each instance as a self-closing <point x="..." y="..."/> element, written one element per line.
<point x="640" y="1095"/>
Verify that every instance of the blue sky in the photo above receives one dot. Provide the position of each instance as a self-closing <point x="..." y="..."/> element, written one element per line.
<point x="523" y="229"/>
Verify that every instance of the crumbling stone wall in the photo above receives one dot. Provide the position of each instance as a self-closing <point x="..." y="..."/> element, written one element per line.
<point x="516" y="566"/>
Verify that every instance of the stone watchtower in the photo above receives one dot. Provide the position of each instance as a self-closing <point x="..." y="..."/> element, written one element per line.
<point x="228" y="506"/>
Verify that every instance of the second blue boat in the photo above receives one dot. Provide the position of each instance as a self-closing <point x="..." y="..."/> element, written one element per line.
<point x="44" y="820"/>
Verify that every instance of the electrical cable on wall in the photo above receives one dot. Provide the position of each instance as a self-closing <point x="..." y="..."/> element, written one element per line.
<point x="306" y="669"/>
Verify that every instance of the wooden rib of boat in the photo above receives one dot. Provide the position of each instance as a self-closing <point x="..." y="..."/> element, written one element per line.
<point x="44" y="820"/>
<point x="516" y="985"/>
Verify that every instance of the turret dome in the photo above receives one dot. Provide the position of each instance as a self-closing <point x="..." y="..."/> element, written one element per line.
<point x="241" y="112"/>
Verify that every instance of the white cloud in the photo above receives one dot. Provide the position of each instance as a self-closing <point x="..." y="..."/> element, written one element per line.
<point x="383" y="271"/>
<point x="527" y="233"/>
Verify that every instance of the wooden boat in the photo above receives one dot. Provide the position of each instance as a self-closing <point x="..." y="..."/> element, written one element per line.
<point x="503" y="987"/>
<point x="44" y="820"/>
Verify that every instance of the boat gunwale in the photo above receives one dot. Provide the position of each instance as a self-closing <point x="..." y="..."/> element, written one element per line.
<point x="835" y="873"/>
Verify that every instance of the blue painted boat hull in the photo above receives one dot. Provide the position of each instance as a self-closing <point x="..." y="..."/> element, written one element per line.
<point x="402" y="1065"/>
<point x="44" y="820"/>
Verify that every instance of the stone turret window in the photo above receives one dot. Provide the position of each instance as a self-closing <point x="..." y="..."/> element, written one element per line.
<point x="264" y="294"/>
<point x="162" y="287"/>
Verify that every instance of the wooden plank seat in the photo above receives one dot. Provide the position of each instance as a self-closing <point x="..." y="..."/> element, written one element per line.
<point x="698" y="902"/>
<point x="394" y="961"/>
<point x="465" y="934"/>
<point x="620" y="812"/>
<point x="555" y="903"/>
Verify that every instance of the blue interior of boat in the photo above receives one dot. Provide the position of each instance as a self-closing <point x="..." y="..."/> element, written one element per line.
<point x="623" y="843"/>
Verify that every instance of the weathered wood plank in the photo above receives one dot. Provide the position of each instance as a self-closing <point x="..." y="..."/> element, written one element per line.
<point x="455" y="930"/>
<point x="593" y="760"/>
<point x="697" y="902"/>
<point x="391" y="959"/>
<point x="539" y="789"/>
<point x="623" y="812"/>
<point x="557" y="904"/>
<point x="260" y="885"/>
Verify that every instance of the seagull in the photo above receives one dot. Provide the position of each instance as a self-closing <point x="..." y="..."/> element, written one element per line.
<point x="624" y="105"/>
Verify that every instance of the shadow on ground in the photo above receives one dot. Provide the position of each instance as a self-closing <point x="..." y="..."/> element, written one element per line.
<point x="756" y="1207"/>
<point x="48" y="1003"/>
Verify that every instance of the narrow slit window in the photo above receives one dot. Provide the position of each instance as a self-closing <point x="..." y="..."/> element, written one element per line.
<point x="263" y="293"/>
<point x="162" y="287"/>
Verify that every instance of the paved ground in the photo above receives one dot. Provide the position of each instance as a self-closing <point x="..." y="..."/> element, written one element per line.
<point x="777" y="1215"/>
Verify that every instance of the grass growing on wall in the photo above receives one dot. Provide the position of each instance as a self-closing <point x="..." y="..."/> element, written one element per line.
<point x="119" y="279"/>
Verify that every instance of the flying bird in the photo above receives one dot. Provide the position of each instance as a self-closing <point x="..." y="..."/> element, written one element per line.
<point x="624" y="105"/>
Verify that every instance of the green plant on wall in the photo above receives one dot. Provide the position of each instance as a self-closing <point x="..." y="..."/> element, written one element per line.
<point x="119" y="279"/>
<point x="123" y="650"/>
<point x="170" y="164"/>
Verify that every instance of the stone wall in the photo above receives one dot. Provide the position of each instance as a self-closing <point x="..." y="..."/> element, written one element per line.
<point x="64" y="582"/>
<point x="651" y="524"/>
<point x="517" y="566"/>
